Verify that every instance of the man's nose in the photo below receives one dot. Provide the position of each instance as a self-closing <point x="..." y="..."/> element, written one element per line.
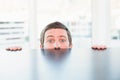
<point x="56" y="45"/>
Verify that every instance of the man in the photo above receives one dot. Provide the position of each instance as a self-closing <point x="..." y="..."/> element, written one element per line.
<point x="56" y="36"/>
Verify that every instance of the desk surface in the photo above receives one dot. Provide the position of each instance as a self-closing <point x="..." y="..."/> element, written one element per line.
<point x="76" y="64"/>
<point x="79" y="64"/>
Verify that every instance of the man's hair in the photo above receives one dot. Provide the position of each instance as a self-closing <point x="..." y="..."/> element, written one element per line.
<point x="55" y="25"/>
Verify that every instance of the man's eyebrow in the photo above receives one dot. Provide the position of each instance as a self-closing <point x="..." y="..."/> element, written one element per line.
<point x="62" y="36"/>
<point x="58" y="36"/>
<point x="50" y="36"/>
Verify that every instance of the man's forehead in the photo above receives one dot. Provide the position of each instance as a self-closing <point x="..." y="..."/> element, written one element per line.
<point x="56" y="32"/>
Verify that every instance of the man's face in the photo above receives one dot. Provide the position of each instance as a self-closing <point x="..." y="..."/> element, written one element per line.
<point x="56" y="39"/>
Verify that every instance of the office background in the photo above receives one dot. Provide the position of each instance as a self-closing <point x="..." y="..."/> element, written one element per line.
<point x="90" y="22"/>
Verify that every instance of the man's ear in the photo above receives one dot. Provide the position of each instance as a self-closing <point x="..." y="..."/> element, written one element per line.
<point x="41" y="46"/>
<point x="70" y="45"/>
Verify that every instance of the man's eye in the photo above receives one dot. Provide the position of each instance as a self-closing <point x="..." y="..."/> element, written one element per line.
<point x="50" y="41"/>
<point x="62" y="40"/>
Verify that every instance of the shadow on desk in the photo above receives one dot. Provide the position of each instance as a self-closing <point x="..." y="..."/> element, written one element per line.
<point x="78" y="64"/>
<point x="69" y="64"/>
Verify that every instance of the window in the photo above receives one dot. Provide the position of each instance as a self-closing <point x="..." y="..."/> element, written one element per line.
<point x="115" y="19"/>
<point x="13" y="21"/>
<point x="75" y="14"/>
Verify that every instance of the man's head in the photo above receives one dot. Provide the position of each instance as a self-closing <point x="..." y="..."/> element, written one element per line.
<point x="55" y="36"/>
